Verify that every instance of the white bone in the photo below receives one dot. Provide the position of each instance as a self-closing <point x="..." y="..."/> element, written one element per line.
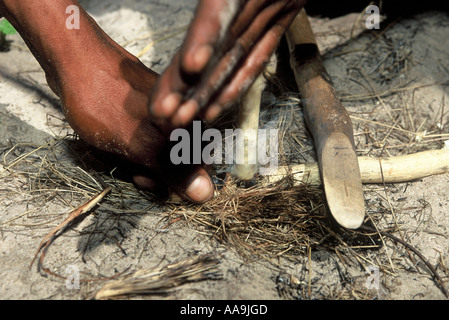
<point x="248" y="122"/>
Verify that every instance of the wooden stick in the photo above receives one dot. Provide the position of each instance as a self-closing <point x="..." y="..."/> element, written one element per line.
<point x="248" y="121"/>
<point x="375" y="170"/>
<point x="330" y="125"/>
<point x="404" y="168"/>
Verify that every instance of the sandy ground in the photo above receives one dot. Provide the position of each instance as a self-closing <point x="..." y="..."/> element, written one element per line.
<point x="395" y="87"/>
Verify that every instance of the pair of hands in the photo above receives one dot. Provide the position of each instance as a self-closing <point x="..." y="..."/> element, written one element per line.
<point x="105" y="90"/>
<point x="227" y="46"/>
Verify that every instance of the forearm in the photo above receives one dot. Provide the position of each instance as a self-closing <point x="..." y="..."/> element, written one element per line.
<point x="42" y="25"/>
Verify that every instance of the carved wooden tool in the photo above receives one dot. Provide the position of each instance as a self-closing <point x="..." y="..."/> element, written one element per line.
<point x="330" y="126"/>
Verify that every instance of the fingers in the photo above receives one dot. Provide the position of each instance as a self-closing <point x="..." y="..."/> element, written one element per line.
<point x="251" y="68"/>
<point x="226" y="48"/>
<point x="212" y="19"/>
<point x="170" y="166"/>
<point x="216" y="24"/>
<point x="193" y="184"/>
<point x="215" y="78"/>
<point x="168" y="92"/>
<point x="195" y="187"/>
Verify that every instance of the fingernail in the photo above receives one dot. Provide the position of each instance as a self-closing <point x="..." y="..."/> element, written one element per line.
<point x="169" y="104"/>
<point x="185" y="113"/>
<point x="202" y="56"/>
<point x="200" y="190"/>
<point x="213" y="112"/>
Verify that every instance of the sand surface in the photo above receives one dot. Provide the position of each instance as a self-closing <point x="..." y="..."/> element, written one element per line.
<point x="396" y="80"/>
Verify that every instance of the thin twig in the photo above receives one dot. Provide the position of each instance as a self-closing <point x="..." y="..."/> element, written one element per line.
<point x="86" y="207"/>
<point x="415" y="251"/>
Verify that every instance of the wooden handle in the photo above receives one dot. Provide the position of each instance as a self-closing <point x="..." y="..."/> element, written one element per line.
<point x="330" y="125"/>
<point x="323" y="111"/>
